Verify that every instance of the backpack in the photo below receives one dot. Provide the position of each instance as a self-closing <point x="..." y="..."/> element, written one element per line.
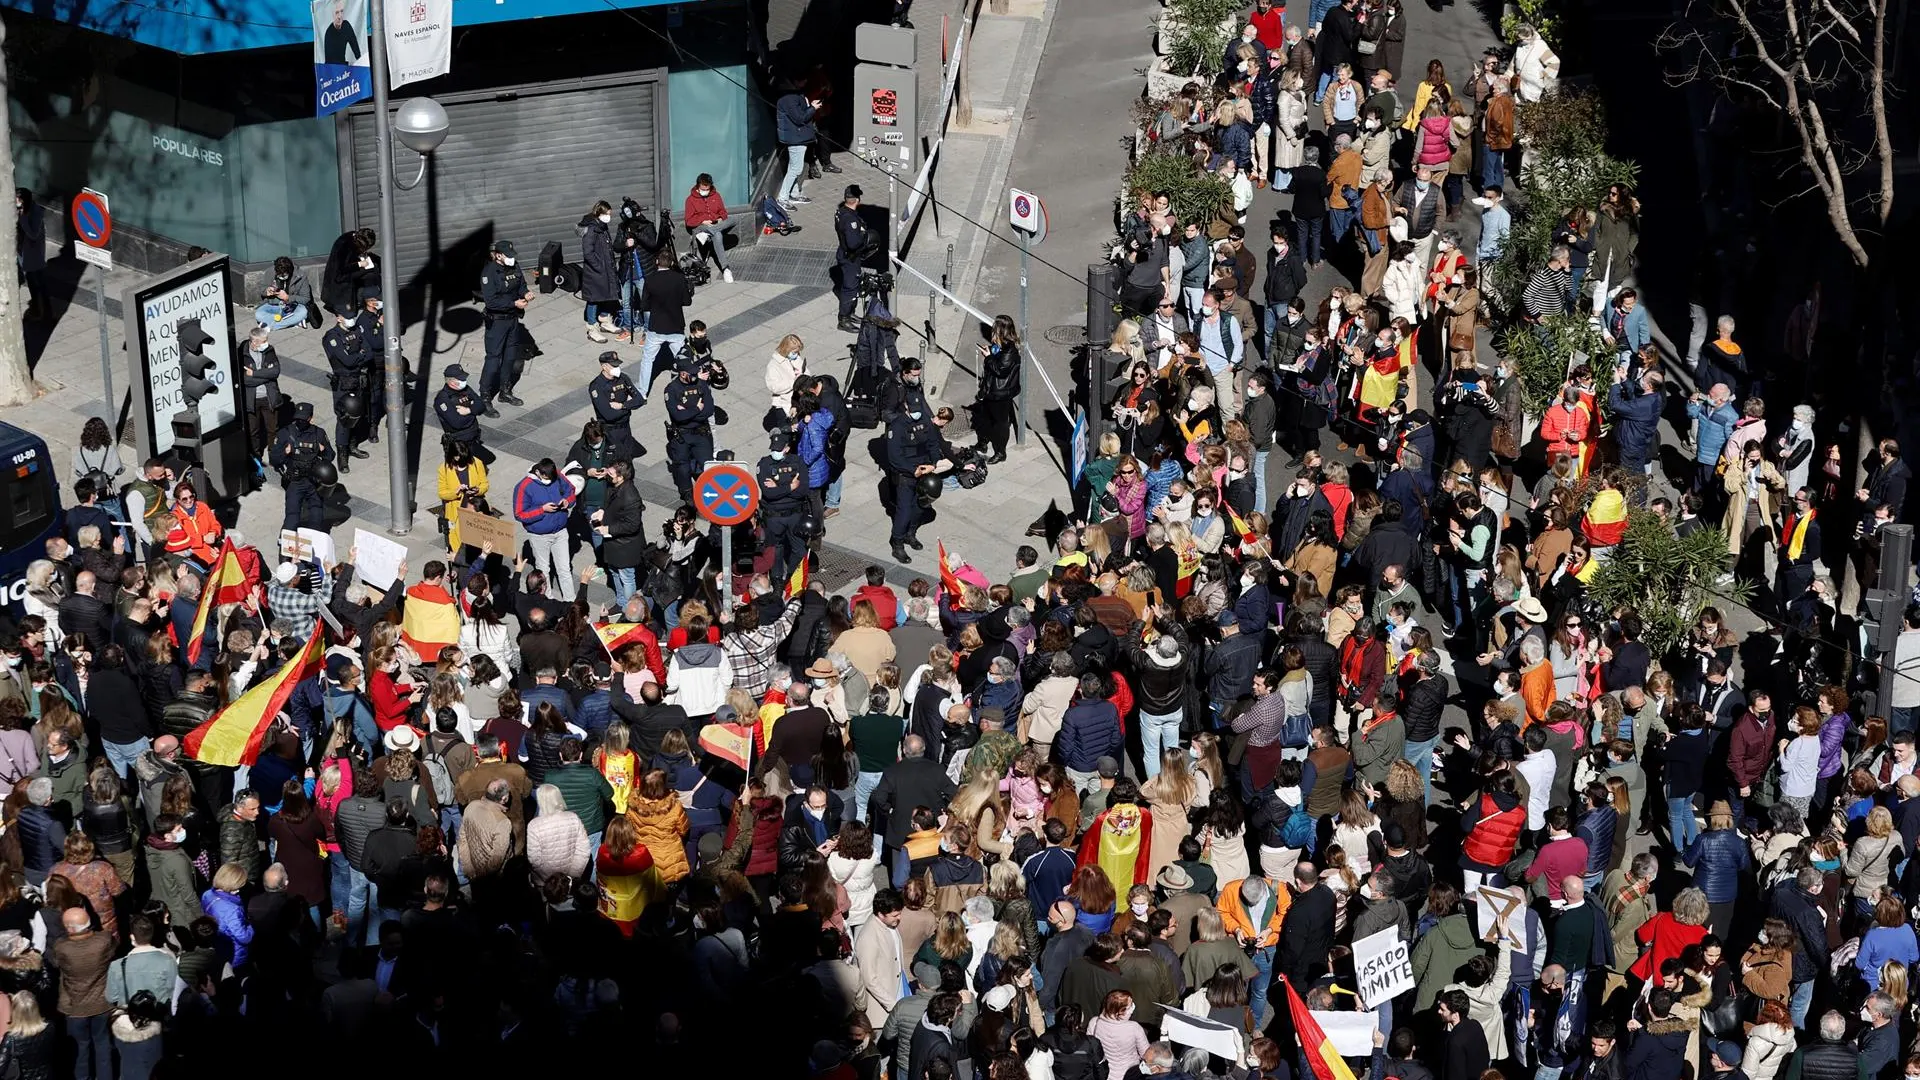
<point x="437" y="774"/>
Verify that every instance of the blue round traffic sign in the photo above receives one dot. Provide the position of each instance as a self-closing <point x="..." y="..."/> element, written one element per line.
<point x="726" y="493"/>
<point x="91" y="222"/>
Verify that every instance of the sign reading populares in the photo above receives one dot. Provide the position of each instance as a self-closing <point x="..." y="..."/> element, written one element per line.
<point x="200" y="295"/>
<point x="342" y="74"/>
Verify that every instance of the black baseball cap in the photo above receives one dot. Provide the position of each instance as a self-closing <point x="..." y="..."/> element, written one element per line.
<point x="505" y="247"/>
<point x="455" y="371"/>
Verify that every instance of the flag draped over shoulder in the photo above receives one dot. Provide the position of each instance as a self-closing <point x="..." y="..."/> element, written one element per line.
<point x="226" y="583"/>
<point x="430" y="622"/>
<point x="1322" y="1058"/>
<point x="233" y="735"/>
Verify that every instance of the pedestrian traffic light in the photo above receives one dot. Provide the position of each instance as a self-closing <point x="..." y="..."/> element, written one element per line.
<point x="195" y="365"/>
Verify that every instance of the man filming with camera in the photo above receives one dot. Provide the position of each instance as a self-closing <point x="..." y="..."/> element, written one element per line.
<point x="855" y="240"/>
<point x="296" y="450"/>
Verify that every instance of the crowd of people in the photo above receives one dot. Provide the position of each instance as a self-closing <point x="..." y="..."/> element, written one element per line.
<point x="1121" y="809"/>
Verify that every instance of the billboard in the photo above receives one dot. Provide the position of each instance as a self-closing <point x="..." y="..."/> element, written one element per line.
<point x="342" y="73"/>
<point x="154" y="309"/>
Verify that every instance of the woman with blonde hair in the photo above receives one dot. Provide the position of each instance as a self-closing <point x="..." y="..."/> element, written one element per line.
<point x="1007" y="888"/>
<point x="1356" y="828"/>
<point x="948" y="942"/>
<point x="786" y="364"/>
<point x="1207" y="763"/>
<point x="30" y="1039"/>
<point x="1405" y="802"/>
<point x="661" y="823"/>
<point x="628" y="878"/>
<point x="1670" y="933"/>
<point x="1870" y="860"/>
<point x="445" y="692"/>
<point x="1170" y="794"/>
<point x="978" y="806"/>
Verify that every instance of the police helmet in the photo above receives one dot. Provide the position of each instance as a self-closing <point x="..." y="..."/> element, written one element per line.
<point x="718" y="377"/>
<point x="324" y="473"/>
<point x="807" y="528"/>
<point x="351" y="405"/>
<point x="927" y="488"/>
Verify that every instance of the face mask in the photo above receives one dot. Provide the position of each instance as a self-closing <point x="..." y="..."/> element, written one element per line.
<point x="1246" y="583"/>
<point x="16" y="661"/>
<point x="1421" y="186"/>
<point x="179" y="836"/>
<point x="1128" y="1015"/>
<point x="1373" y="125"/>
<point x="1140" y="908"/>
<point x="1826" y="866"/>
<point x="914" y="416"/>
<point x="1046" y="789"/>
<point x="699" y="922"/>
<point x="460" y="384"/>
<point x="507" y="262"/>
<point x="259" y="350"/>
<point x="820" y="813"/>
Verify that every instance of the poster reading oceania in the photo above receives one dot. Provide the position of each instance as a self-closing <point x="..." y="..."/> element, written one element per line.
<point x="342" y="74"/>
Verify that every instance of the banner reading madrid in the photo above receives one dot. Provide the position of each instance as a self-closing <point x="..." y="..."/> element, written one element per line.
<point x="342" y="74"/>
<point x="419" y="40"/>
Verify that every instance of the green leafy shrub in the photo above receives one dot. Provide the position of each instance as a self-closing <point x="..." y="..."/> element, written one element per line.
<point x="1195" y="195"/>
<point x="1543" y="364"/>
<point x="1200" y="33"/>
<point x="1666" y="578"/>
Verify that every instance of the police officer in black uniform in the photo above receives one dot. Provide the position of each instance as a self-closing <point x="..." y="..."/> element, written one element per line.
<point x="689" y="425"/>
<point x="352" y="377"/>
<point x="459" y="407"/>
<point x="297" y="449"/>
<point x="853" y="235"/>
<point x="783" y="499"/>
<point x="906" y="393"/>
<point x="504" y="296"/>
<point x="368" y="322"/>
<point x="614" y="399"/>
<point x="913" y="451"/>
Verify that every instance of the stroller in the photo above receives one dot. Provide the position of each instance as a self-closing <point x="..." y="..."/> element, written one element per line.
<point x="775" y="220"/>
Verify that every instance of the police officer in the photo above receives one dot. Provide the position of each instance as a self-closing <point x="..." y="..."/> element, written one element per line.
<point x="458" y="408"/>
<point x="614" y="399"/>
<point x="913" y="451"/>
<point x="374" y="333"/>
<point x="351" y="359"/>
<point x="689" y="425"/>
<point x="905" y="394"/>
<point x="783" y="496"/>
<point x="297" y="449"/>
<point x="504" y="296"/>
<point x="852" y="233"/>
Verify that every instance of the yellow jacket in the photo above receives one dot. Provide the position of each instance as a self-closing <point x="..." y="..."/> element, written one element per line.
<point x="450" y="495"/>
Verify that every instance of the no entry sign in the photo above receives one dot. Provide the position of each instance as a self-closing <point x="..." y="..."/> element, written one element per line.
<point x="726" y="493"/>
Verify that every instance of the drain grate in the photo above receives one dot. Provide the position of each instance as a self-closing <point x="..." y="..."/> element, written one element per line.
<point x="1071" y="336"/>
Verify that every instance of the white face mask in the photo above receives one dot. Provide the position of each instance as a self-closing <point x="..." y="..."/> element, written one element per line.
<point x="179" y="836"/>
<point x="1373" y="125"/>
<point x="606" y="219"/>
<point x="1140" y="908"/>
<point x="777" y="454"/>
<point x="460" y="384"/>
<point x="507" y="261"/>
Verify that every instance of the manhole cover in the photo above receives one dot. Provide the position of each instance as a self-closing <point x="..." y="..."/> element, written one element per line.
<point x="1070" y="336"/>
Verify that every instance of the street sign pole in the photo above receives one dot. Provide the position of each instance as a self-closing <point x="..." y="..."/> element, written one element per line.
<point x="1026" y="244"/>
<point x="106" y="352"/>
<point x="92" y="227"/>
<point x="726" y="582"/>
<point x="726" y="494"/>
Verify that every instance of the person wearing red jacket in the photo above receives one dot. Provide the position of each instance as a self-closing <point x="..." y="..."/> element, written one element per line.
<point x="1564" y="427"/>
<point x="705" y="217"/>
<point x="1749" y="750"/>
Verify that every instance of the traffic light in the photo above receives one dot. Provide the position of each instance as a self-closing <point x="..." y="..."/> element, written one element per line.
<point x="195" y="365"/>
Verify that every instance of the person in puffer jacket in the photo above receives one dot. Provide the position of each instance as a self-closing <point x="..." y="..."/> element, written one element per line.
<point x="1089" y="731"/>
<point x="541" y="502"/>
<point x="816" y="429"/>
<point x="223" y="902"/>
<point x="1160" y="671"/>
<point x="697" y="679"/>
<point x="1718" y="858"/>
<point x="1598" y="821"/>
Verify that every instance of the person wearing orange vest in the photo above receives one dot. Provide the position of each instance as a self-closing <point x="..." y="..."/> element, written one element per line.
<point x="1252" y="910"/>
<point x="1491" y="829"/>
<point x="198" y="532"/>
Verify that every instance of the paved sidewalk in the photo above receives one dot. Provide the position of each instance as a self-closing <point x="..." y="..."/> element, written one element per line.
<point x="781" y="287"/>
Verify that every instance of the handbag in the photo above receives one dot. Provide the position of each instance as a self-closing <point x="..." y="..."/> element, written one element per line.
<point x="1367" y="47"/>
<point x="1296" y="731"/>
<point x="1722" y="1017"/>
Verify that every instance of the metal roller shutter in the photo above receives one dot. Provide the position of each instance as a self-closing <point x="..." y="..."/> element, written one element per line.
<point x="521" y="163"/>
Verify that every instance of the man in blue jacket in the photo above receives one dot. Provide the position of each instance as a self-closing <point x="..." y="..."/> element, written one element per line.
<point x="1636" y="411"/>
<point x="793" y="125"/>
<point x="541" y="502"/>
<point x="1717" y="417"/>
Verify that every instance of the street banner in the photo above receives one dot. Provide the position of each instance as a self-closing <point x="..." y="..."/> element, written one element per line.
<point x="1382" y="966"/>
<point x="419" y="40"/>
<point x="342" y="73"/>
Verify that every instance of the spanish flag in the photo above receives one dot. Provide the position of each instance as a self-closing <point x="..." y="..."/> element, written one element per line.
<point x="233" y="735"/>
<point x="430" y="622"/>
<point x="728" y="742"/>
<point x="1240" y="526"/>
<point x="615" y="636"/>
<point x="1796" y="533"/>
<point x="226" y="583"/>
<point x="949" y="580"/>
<point x="1322" y="1058"/>
<point x="1605" y="522"/>
<point x="232" y="578"/>
<point x="796" y="581"/>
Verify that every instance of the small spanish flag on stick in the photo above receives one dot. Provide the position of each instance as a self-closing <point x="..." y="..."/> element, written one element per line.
<point x="226" y="583"/>
<point x="1239" y="524"/>
<point x="949" y="580"/>
<point x="796" y="581"/>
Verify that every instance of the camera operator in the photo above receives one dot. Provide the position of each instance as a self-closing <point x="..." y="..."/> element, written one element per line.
<point x="854" y="240"/>
<point x="296" y="450"/>
<point x="1468" y="411"/>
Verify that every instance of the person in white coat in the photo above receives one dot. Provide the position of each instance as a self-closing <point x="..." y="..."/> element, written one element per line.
<point x="877" y="954"/>
<point x="787" y="363"/>
<point x="1536" y="70"/>
<point x="1403" y="283"/>
<point x="1290" y="123"/>
<point x="1770" y="1043"/>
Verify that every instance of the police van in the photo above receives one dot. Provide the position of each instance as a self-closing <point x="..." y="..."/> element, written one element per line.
<point x="29" y="507"/>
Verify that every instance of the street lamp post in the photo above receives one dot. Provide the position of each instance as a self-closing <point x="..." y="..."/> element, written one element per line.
<point x="422" y="127"/>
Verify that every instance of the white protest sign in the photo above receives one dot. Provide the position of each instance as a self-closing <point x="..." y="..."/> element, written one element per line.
<point x="1383" y="966"/>
<point x="1504" y="911"/>
<point x="377" y="559"/>
<point x="1212" y="1036"/>
<point x="1351" y="1033"/>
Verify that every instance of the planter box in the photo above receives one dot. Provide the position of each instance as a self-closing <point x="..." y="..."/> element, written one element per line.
<point x="1161" y="83"/>
<point x="1164" y="32"/>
